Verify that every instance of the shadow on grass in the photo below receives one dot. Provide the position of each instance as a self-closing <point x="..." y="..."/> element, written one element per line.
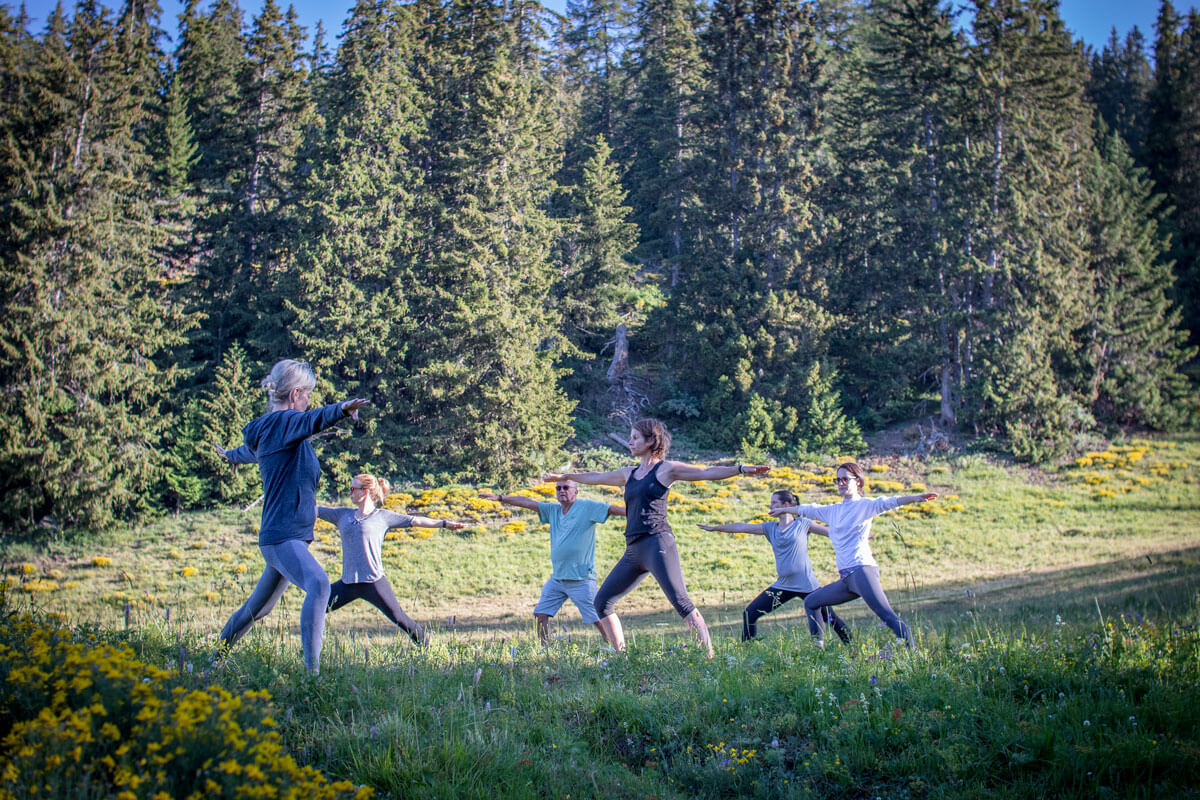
<point x="1167" y="583"/>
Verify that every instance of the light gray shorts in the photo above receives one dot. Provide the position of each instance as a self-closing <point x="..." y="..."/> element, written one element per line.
<point x="582" y="594"/>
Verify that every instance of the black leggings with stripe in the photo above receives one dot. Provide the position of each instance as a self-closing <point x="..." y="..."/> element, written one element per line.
<point x="380" y="595"/>
<point x="771" y="599"/>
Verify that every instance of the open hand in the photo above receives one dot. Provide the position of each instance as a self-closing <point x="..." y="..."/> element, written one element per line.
<point x="708" y="527"/>
<point x="495" y="498"/>
<point x="455" y="526"/>
<point x="221" y="451"/>
<point x="350" y="407"/>
<point x="777" y="510"/>
<point x="552" y="477"/>
<point x="929" y="496"/>
<point x="756" y="469"/>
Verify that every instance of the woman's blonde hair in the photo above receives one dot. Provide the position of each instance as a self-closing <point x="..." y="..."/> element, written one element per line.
<point x="285" y="377"/>
<point x="377" y="488"/>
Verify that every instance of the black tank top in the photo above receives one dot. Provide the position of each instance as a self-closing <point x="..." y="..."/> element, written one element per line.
<point x="645" y="505"/>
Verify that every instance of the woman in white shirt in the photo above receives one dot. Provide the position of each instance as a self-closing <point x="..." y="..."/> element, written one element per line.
<point x="849" y="530"/>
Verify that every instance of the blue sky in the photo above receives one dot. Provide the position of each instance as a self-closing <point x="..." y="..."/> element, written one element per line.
<point x="1090" y="20"/>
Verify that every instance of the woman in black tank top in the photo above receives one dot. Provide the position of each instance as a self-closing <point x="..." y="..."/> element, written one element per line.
<point x="649" y="542"/>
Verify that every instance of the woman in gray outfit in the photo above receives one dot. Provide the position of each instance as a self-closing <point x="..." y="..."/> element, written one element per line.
<point x="363" y="529"/>
<point x="278" y="443"/>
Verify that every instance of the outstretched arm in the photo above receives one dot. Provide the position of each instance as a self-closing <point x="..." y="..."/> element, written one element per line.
<point x="677" y="471"/>
<point x="238" y="455"/>
<point x="916" y="498"/>
<point x="613" y="478"/>
<point x="511" y="500"/>
<point x="735" y="527"/>
<point x="429" y="522"/>
<point x="816" y="527"/>
<point x="617" y="511"/>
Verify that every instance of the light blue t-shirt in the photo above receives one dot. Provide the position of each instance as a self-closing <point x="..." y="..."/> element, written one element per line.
<point x="793" y="567"/>
<point x="573" y="537"/>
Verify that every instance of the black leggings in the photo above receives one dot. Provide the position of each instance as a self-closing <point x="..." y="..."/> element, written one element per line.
<point x="380" y="595"/>
<point x="861" y="582"/>
<point x="655" y="554"/>
<point x="771" y="599"/>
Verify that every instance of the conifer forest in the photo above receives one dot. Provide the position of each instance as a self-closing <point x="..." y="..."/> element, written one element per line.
<point x="776" y="225"/>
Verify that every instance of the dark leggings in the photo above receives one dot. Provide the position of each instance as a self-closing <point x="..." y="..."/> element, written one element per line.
<point x="771" y="599"/>
<point x="655" y="554"/>
<point x="380" y="595"/>
<point x="861" y="582"/>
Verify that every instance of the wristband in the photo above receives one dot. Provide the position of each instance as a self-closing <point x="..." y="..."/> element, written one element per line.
<point x="443" y="524"/>
<point x="740" y="472"/>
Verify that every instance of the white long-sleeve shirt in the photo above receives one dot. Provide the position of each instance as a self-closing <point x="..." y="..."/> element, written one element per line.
<point x="849" y="525"/>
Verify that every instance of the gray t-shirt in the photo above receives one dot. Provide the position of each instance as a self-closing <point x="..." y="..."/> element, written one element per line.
<point x="362" y="541"/>
<point x="793" y="567"/>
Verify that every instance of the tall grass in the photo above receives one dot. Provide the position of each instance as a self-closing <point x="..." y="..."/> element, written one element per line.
<point x="1056" y="616"/>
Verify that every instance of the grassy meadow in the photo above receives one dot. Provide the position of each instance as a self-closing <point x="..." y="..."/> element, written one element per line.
<point x="1056" y="611"/>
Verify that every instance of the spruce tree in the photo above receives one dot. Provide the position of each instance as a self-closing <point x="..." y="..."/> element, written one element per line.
<point x="86" y="315"/>
<point x="347" y="294"/>
<point x="659" y="135"/>
<point x="1132" y="347"/>
<point x="209" y="59"/>
<point x="1030" y="131"/>
<point x="1185" y="181"/>
<point x="898" y="271"/>
<point x="598" y="287"/>
<point x="482" y="394"/>
<point x="1120" y="85"/>
<point x="747" y="310"/>
<point x="228" y="403"/>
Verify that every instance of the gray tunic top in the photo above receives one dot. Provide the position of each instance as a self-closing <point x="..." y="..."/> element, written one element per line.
<point x="793" y="567"/>
<point x="362" y="540"/>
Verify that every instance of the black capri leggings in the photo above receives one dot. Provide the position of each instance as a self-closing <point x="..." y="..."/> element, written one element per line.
<point x="380" y="595"/>
<point x="771" y="599"/>
<point x="655" y="554"/>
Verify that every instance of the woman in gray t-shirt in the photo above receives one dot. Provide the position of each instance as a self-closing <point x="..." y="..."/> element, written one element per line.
<point x="362" y="529"/>
<point x="793" y="568"/>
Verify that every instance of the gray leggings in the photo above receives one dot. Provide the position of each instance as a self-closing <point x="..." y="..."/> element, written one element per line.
<point x="287" y="562"/>
<point x="861" y="581"/>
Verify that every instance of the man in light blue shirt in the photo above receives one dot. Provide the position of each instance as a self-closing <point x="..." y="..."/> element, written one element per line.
<point x="572" y="551"/>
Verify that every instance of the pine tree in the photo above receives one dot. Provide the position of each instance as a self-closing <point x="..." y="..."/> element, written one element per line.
<point x="659" y="135"/>
<point x="747" y="310"/>
<point x="1132" y="347"/>
<point x="86" y="316"/>
<point x="483" y="396"/>
<point x="1120" y="84"/>
<point x="598" y="287"/>
<point x="347" y="301"/>
<point x="1030" y="133"/>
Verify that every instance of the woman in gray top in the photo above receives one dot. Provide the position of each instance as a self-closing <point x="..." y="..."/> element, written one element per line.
<point x="362" y="529"/>
<point x="793" y="568"/>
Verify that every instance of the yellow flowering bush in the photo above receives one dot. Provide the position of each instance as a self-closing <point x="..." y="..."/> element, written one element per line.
<point x="81" y="718"/>
<point x="1123" y="468"/>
